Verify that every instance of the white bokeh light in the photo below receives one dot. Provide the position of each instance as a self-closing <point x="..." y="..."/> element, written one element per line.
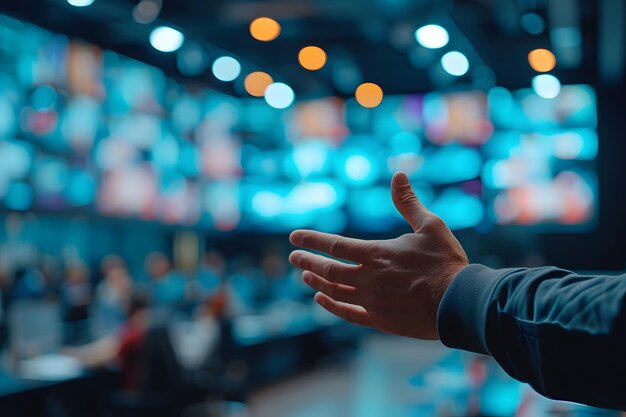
<point x="455" y="63"/>
<point x="432" y="36"/>
<point x="546" y="86"/>
<point x="80" y="3"/>
<point x="358" y="167"/>
<point x="226" y="68"/>
<point x="279" y="95"/>
<point x="166" y="39"/>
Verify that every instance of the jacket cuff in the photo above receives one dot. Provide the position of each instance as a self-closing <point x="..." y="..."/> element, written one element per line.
<point x="462" y="314"/>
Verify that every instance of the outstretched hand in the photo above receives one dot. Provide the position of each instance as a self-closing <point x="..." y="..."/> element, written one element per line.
<point x="396" y="285"/>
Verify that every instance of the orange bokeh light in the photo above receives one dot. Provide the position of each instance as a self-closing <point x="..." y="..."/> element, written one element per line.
<point x="264" y="29"/>
<point x="369" y="95"/>
<point x="256" y="83"/>
<point x="541" y="60"/>
<point x="312" y="58"/>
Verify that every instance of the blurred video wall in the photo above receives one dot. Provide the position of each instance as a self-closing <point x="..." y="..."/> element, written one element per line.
<point x="85" y="130"/>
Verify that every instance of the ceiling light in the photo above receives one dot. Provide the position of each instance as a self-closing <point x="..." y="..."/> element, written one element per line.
<point x="264" y="29"/>
<point x="80" y="3"/>
<point x="166" y="39"/>
<point x="312" y="58"/>
<point x="226" y="68"/>
<point x="257" y="82"/>
<point x="541" y="60"/>
<point x="432" y="36"/>
<point x="369" y="95"/>
<point x="546" y="86"/>
<point x="279" y="95"/>
<point x="455" y="63"/>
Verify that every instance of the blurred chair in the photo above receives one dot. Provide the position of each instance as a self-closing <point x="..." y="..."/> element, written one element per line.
<point x="35" y="328"/>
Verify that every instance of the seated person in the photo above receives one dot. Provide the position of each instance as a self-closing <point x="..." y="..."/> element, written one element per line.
<point x="211" y="273"/>
<point x="167" y="287"/>
<point x="76" y="298"/>
<point x="113" y="295"/>
<point x="123" y="349"/>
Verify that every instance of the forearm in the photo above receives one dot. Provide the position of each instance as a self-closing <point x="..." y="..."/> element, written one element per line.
<point x="563" y="333"/>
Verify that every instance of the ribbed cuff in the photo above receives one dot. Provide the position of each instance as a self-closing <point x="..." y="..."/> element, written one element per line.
<point x="462" y="314"/>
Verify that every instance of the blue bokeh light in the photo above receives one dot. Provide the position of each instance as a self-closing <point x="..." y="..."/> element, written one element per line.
<point x="546" y="86"/>
<point x="279" y="95"/>
<point x="455" y="63"/>
<point x="226" y="68"/>
<point x="19" y="196"/>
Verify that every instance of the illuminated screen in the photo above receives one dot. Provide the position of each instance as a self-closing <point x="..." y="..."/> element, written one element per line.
<point x="87" y="130"/>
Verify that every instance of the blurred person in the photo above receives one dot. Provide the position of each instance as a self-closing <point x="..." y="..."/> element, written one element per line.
<point x="51" y="271"/>
<point x="563" y="333"/>
<point x="279" y="284"/>
<point x="211" y="273"/>
<point x="167" y="287"/>
<point x="76" y="298"/>
<point x="111" y="262"/>
<point x="244" y="286"/>
<point x="123" y="349"/>
<point x="112" y="297"/>
<point x="28" y="283"/>
<point x="199" y="339"/>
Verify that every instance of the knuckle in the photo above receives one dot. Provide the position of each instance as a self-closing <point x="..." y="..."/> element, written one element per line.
<point x="329" y="271"/>
<point x="334" y="247"/>
<point x="331" y="291"/>
<point x="407" y="196"/>
<point x="376" y="253"/>
<point x="434" y="222"/>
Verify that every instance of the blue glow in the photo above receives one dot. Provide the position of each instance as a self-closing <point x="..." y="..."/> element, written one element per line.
<point x="372" y="209"/>
<point x="546" y="86"/>
<point x="166" y="39"/>
<point x="332" y="222"/>
<point x="495" y="174"/>
<point x="192" y="60"/>
<point x="500" y="397"/>
<point x="172" y="183"/>
<point x="81" y="121"/>
<point x="452" y="163"/>
<point x="165" y="153"/>
<point x="267" y="204"/>
<point x="458" y="209"/>
<point x="51" y="176"/>
<point x="189" y="160"/>
<point x="533" y="23"/>
<point x="15" y="159"/>
<point x="358" y="168"/>
<point x="279" y="95"/>
<point x="405" y="142"/>
<point x="306" y="197"/>
<point x="226" y="68"/>
<point x="44" y="98"/>
<point x="186" y="114"/>
<point x="81" y="189"/>
<point x="19" y="196"/>
<point x="455" y="63"/>
<point x="8" y="116"/>
<point x="579" y="144"/>
<point x="310" y="158"/>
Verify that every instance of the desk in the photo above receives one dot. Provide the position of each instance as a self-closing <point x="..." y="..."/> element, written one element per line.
<point x="33" y="398"/>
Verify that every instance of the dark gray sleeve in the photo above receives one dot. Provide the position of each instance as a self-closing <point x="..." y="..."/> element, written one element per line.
<point x="563" y="333"/>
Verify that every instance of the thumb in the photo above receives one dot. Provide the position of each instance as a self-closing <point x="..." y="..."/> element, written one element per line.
<point x="406" y="201"/>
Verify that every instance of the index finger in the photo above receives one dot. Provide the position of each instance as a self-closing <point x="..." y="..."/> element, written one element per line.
<point x="337" y="246"/>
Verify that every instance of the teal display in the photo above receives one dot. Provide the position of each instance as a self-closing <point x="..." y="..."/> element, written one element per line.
<point x="84" y="130"/>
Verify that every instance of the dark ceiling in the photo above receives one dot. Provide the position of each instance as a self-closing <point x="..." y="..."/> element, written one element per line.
<point x="374" y="35"/>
